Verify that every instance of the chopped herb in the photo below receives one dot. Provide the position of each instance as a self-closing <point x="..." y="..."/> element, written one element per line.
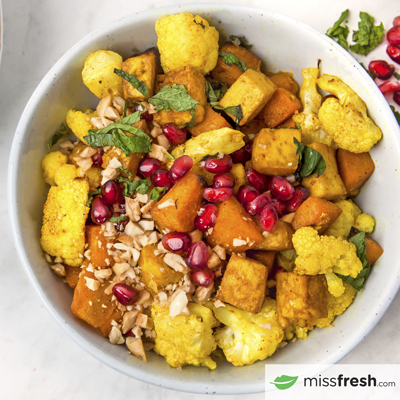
<point x="397" y="76"/>
<point x="61" y="132"/>
<point x="230" y="59"/>
<point x="125" y="171"/>
<point x="157" y="192"/>
<point x="91" y="196"/>
<point x="118" y="219"/>
<point x="209" y="156"/>
<point x="215" y="92"/>
<point x="130" y="78"/>
<point x="240" y="41"/>
<point x="339" y="32"/>
<point x="371" y="74"/>
<point x="236" y="111"/>
<point x="169" y="156"/>
<point x="396" y="114"/>
<point x="199" y="23"/>
<point x="310" y="161"/>
<point x="142" y="186"/>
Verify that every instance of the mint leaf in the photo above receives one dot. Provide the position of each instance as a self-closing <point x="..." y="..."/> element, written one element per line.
<point x="199" y="23"/>
<point x="339" y="32"/>
<point x="126" y="172"/>
<point x="371" y="74"/>
<point x="396" y="114"/>
<point x="169" y="156"/>
<point x="230" y="59"/>
<point x="99" y="140"/>
<point x="61" y="132"/>
<point x="91" y="196"/>
<point x="236" y="111"/>
<point x="130" y="78"/>
<point x="118" y="219"/>
<point x="240" y="41"/>
<point x="156" y="192"/>
<point x="397" y="76"/>
<point x="310" y="161"/>
<point x="142" y="186"/>
<point x="215" y="92"/>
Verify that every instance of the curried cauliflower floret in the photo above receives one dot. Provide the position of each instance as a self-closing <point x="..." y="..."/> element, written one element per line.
<point x="341" y="227"/>
<point x="345" y="117"/>
<point x="185" y="40"/>
<point x="323" y="254"/>
<point x="335" y="284"/>
<point x="185" y="339"/>
<point x="248" y="337"/>
<point x="65" y="173"/>
<point x="365" y="223"/>
<point x="79" y="122"/>
<point x="337" y="305"/>
<point x="292" y="330"/>
<point x="50" y="164"/>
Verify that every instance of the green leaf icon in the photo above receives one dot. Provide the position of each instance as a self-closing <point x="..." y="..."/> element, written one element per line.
<point x="284" y="382"/>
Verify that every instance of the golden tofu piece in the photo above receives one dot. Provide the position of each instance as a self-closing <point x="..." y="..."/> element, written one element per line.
<point x="280" y="239"/>
<point x="212" y="121"/>
<point x="329" y="185"/>
<point x="274" y="151"/>
<point x="300" y="299"/>
<point x="264" y="257"/>
<point x="243" y="284"/>
<point x="156" y="274"/>
<point x="251" y="91"/>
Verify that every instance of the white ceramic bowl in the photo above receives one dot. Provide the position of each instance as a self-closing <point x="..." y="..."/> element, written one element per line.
<point x="283" y="44"/>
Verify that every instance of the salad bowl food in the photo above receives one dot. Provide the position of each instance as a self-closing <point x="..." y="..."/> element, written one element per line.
<point x="281" y="44"/>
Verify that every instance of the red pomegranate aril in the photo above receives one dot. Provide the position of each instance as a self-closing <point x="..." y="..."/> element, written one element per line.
<point x="394" y="53"/>
<point x="218" y="165"/>
<point x="129" y="333"/>
<point x="300" y="194"/>
<point x="240" y="156"/>
<point x="268" y="218"/>
<point x="148" y="165"/>
<point x="381" y="69"/>
<point x="280" y="206"/>
<point x="396" y="97"/>
<point x="174" y="135"/>
<point x="160" y="178"/>
<point x="125" y="294"/>
<point x="217" y="195"/>
<point x="197" y="256"/>
<point x="101" y="212"/>
<point x="246" y="194"/>
<point x="98" y="158"/>
<point x="281" y="188"/>
<point x="207" y="218"/>
<point x="275" y="271"/>
<point x="111" y="192"/>
<point x="226" y="180"/>
<point x="389" y="87"/>
<point x="257" y="180"/>
<point x="396" y="21"/>
<point x="177" y="242"/>
<point x="256" y="206"/>
<point x="393" y="35"/>
<point x="249" y="149"/>
<point x="147" y="117"/>
<point x="204" y="277"/>
<point x="180" y="168"/>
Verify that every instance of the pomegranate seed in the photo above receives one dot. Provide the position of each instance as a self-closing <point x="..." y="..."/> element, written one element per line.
<point x="389" y="87"/>
<point x="249" y="149"/>
<point x="129" y="333"/>
<point x="197" y="257"/>
<point x="300" y="194"/>
<point x="280" y="206"/>
<point x="177" y="242"/>
<point x="396" y="97"/>
<point x="240" y="156"/>
<point x="174" y="135"/>
<point x="160" y="178"/>
<point x="125" y="294"/>
<point x="275" y="271"/>
<point x="256" y="206"/>
<point x="246" y="194"/>
<point x="203" y="277"/>
<point x="218" y="165"/>
<point x="145" y="114"/>
<point x="98" y="158"/>
<point x="180" y="168"/>
<point x="111" y="192"/>
<point x="101" y="211"/>
<point x="257" y="180"/>
<point x="226" y="180"/>
<point x="381" y="69"/>
<point x="120" y="226"/>
<point x="217" y="195"/>
<point x="148" y="165"/>
<point x="393" y="35"/>
<point x="396" y="21"/>
<point x="281" y="188"/>
<point x="394" y="53"/>
<point x="207" y="218"/>
<point x="268" y="218"/>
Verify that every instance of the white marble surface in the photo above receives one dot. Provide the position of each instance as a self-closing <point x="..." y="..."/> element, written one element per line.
<point x="37" y="360"/>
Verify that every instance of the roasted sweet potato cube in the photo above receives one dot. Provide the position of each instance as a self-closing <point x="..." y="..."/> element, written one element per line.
<point x="289" y="123"/>
<point x="243" y="284"/>
<point x="105" y="328"/>
<point x="300" y="299"/>
<point x="318" y="213"/>
<point x="188" y="196"/>
<point x="274" y="152"/>
<point x="374" y="250"/>
<point x="264" y="257"/>
<point x="195" y="84"/>
<point x="251" y="91"/>
<point x="278" y="240"/>
<point x="252" y="128"/>
<point x="354" y="169"/>
<point x="156" y="274"/>
<point x="285" y="80"/>
<point x="329" y="185"/>
<point x="282" y="106"/>
<point x="235" y="229"/>
<point x="211" y="122"/>
<point x="144" y="68"/>
<point x="230" y="73"/>
<point x="72" y="275"/>
<point x="97" y="246"/>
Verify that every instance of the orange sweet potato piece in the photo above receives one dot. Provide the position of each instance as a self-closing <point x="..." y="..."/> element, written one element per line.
<point x="265" y="257"/>
<point x="212" y="121"/>
<point x="278" y="240"/>
<point x="318" y="213"/>
<point x="72" y="275"/>
<point x="97" y="244"/>
<point x="289" y="123"/>
<point x="282" y="106"/>
<point x="285" y="80"/>
<point x="374" y="250"/>
<point x="105" y="328"/>
<point x="354" y="169"/>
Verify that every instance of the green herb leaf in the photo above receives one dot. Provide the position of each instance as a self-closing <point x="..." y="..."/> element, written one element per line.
<point x="371" y="74"/>
<point x="310" y="161"/>
<point x="339" y="32"/>
<point x="99" y="140"/>
<point x="169" y="156"/>
<point x="236" y="111"/>
<point x="130" y="78"/>
<point x="396" y="114"/>
<point x="91" y="196"/>
<point x="209" y="156"/>
<point x="215" y="92"/>
<point x="61" y="132"/>
<point x="230" y="59"/>
<point x="118" y="219"/>
<point x="125" y="171"/>
<point x="397" y="76"/>
<point x="142" y="186"/>
<point x="240" y="41"/>
<point x="199" y="23"/>
<point x="157" y="192"/>
<point x="124" y="123"/>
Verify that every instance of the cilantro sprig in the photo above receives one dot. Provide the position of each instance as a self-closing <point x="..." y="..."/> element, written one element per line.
<point x="310" y="161"/>
<point x="130" y="78"/>
<point x="230" y="59"/>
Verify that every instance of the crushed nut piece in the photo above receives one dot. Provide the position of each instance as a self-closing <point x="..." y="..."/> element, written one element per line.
<point x="135" y="346"/>
<point x="58" y="269"/>
<point x="128" y="320"/>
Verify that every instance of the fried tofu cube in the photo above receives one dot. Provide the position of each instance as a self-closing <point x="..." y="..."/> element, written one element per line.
<point x="235" y="229"/>
<point x="278" y="240"/>
<point x="251" y="91"/>
<point x="51" y="163"/>
<point x="64" y="217"/>
<point x="212" y="121"/>
<point x="374" y="250"/>
<point x="289" y="123"/>
<point x="239" y="174"/>
<point x="284" y="80"/>
<point x="329" y="185"/>
<point x="72" y="275"/>
<point x="230" y="73"/>
<point x="243" y="284"/>
<point x="252" y="128"/>
<point x="282" y="106"/>
<point x="317" y="213"/>
<point x="79" y="122"/>
<point x="264" y="257"/>
<point x="144" y="68"/>
<point x="354" y="169"/>
<point x="188" y="196"/>
<point x="155" y="273"/>
<point x="274" y="151"/>
<point x="300" y="299"/>
<point x="97" y="246"/>
<point x="130" y="163"/>
<point x="195" y="84"/>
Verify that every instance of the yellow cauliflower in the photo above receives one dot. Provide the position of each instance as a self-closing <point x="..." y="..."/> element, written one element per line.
<point x="335" y="284"/>
<point x="341" y="227"/>
<point x="185" y="339"/>
<point x="50" y="164"/>
<point x="78" y="122"/>
<point x="322" y="254"/>
<point x="185" y="40"/>
<point x="345" y="117"/>
<point x="65" y="173"/>
<point x="337" y="305"/>
<point x="365" y="223"/>
<point x="294" y="330"/>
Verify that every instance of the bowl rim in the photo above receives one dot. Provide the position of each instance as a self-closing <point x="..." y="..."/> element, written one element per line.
<point x="13" y="172"/>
